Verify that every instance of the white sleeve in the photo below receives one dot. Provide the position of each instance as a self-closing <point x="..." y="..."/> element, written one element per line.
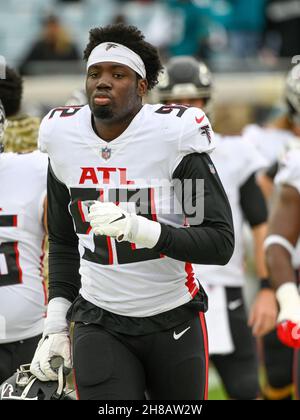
<point x="251" y="161"/>
<point x="42" y="161"/>
<point x="45" y="130"/>
<point x="289" y="170"/>
<point x="269" y="142"/>
<point x="196" y="135"/>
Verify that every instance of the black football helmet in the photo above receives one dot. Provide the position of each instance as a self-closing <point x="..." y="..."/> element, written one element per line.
<point x="185" y="77"/>
<point x="3" y="123"/>
<point x="25" y="386"/>
<point x="292" y="93"/>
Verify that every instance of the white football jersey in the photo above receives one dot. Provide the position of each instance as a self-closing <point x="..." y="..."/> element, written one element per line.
<point x="134" y="170"/>
<point x="289" y="170"/>
<point x="22" y="290"/>
<point x="236" y="160"/>
<point x="289" y="173"/>
<point x="270" y="142"/>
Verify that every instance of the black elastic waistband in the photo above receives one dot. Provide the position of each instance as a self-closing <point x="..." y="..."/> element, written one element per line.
<point x="86" y="312"/>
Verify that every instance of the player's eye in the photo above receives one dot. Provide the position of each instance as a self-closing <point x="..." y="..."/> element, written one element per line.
<point x="118" y="75"/>
<point x="93" y="75"/>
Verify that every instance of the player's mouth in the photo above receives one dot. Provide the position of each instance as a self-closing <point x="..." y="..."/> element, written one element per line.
<point x="102" y="100"/>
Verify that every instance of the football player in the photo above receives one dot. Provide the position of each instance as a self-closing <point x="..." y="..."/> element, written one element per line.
<point x="275" y="137"/>
<point x="284" y="232"/>
<point x="22" y="130"/>
<point x="232" y="348"/>
<point x="120" y="255"/>
<point x="22" y="291"/>
<point x="273" y="141"/>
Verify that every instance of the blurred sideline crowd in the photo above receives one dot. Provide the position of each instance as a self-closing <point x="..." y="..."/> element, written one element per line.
<point x="220" y="31"/>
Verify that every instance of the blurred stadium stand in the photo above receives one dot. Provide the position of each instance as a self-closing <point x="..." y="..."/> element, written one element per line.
<point x="238" y="97"/>
<point x="164" y="22"/>
<point x="242" y="86"/>
<point x="20" y="22"/>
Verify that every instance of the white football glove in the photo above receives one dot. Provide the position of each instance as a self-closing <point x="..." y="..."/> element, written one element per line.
<point x="289" y="301"/>
<point x="49" y="348"/>
<point x="110" y="220"/>
<point x="55" y="342"/>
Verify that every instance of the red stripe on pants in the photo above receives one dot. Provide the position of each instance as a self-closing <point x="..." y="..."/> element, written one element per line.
<point x="205" y="339"/>
<point x="76" y="387"/>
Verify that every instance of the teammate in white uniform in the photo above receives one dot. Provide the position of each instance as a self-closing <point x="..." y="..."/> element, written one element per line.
<point x="22" y="291"/>
<point x="230" y="341"/>
<point x="139" y="325"/>
<point x="284" y="232"/>
<point x="273" y="141"/>
<point x="22" y="130"/>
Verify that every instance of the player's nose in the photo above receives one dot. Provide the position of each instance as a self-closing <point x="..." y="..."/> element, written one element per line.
<point x="103" y="83"/>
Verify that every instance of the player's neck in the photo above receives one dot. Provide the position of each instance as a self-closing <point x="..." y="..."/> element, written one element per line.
<point x="109" y="130"/>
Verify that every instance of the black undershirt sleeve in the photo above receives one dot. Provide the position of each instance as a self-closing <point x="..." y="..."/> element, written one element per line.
<point x="253" y="203"/>
<point x="209" y="242"/>
<point x="64" y="259"/>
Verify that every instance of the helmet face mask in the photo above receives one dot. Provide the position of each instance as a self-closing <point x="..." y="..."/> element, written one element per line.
<point x="3" y="123"/>
<point x="25" y="386"/>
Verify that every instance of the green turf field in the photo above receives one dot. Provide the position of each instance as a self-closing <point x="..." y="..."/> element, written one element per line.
<point x="216" y="394"/>
<point x="215" y="391"/>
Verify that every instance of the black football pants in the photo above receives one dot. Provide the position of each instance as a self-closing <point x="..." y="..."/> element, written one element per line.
<point x="165" y="365"/>
<point x="282" y="366"/>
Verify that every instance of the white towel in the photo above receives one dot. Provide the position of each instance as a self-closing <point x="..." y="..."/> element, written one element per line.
<point x="218" y="327"/>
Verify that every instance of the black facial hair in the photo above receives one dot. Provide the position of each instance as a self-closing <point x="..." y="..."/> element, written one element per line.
<point x="103" y="112"/>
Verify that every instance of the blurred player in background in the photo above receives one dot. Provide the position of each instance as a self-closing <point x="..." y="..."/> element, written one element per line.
<point x="274" y="138"/>
<point x="22" y="234"/>
<point x="232" y="347"/>
<point x="284" y="232"/>
<point x="22" y="130"/>
<point x="273" y="141"/>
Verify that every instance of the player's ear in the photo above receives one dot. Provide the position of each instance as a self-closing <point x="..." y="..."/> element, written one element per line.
<point x="142" y="87"/>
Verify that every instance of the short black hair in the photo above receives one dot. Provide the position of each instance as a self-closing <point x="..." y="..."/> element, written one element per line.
<point x="132" y="38"/>
<point x="11" y="91"/>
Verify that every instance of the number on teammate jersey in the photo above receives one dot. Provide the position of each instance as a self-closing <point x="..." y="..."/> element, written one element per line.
<point x="65" y="111"/>
<point x="10" y="270"/>
<point x="167" y="109"/>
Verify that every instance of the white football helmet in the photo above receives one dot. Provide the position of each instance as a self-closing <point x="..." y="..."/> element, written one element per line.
<point x="292" y="93"/>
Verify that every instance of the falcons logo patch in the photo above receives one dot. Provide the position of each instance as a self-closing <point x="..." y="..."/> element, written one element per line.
<point x="205" y="131"/>
<point x="109" y="46"/>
